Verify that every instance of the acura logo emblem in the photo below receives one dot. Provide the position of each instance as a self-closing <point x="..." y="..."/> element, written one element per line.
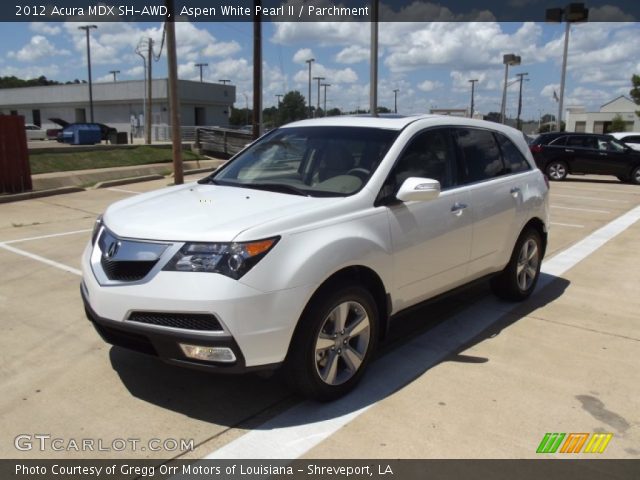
<point x="112" y="250"/>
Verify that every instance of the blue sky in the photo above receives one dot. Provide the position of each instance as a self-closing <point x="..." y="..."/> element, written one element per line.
<point x="430" y="63"/>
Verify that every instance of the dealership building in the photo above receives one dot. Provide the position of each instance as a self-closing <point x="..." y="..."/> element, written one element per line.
<point x="579" y="120"/>
<point x="120" y="104"/>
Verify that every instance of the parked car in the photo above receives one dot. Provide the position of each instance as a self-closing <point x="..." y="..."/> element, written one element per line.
<point x="561" y="153"/>
<point x="629" y="138"/>
<point x="34" y="132"/>
<point x="107" y="132"/>
<point x="299" y="251"/>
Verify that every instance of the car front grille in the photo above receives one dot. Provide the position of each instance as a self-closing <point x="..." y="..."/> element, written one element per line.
<point x="186" y="321"/>
<point x="126" y="271"/>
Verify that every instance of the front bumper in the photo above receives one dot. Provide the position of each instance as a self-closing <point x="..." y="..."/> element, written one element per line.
<point x="165" y="344"/>
<point x="257" y="326"/>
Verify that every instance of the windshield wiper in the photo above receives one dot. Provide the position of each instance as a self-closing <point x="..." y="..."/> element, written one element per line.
<point x="275" y="187"/>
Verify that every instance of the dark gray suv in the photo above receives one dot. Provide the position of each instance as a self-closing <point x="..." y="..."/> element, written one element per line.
<point x="561" y="153"/>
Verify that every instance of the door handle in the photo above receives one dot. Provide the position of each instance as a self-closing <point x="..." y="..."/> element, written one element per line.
<point x="457" y="208"/>
<point x="569" y="150"/>
<point x="515" y="191"/>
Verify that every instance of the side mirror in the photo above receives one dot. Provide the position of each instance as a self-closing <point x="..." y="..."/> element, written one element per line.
<point x="418" y="189"/>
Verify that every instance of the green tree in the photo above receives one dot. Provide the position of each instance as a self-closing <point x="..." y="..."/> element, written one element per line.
<point x="292" y="108"/>
<point x="635" y="91"/>
<point x="618" y="124"/>
<point x="383" y="110"/>
<point x="333" y="112"/>
<point x="241" y="116"/>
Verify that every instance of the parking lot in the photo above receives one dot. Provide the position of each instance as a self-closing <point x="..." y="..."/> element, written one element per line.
<point x="465" y="377"/>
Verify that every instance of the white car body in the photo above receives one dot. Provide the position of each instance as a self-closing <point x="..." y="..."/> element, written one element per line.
<point x="319" y="237"/>
<point x="34" y="132"/>
<point x="630" y="138"/>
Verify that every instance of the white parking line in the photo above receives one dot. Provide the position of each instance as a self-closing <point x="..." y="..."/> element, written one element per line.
<point x="114" y="189"/>
<point x="581" y="209"/>
<point x="573" y="225"/>
<point x="45" y="236"/>
<point x="33" y="256"/>
<point x="599" y="190"/>
<point x="599" y="199"/>
<point x="299" y="429"/>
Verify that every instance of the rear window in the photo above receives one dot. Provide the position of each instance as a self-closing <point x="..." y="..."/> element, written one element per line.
<point x="482" y="158"/>
<point x="514" y="161"/>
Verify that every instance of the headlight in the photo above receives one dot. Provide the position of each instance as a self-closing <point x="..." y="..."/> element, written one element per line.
<point x="96" y="229"/>
<point x="230" y="259"/>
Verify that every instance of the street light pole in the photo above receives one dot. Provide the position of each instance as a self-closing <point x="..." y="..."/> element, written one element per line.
<point x="373" y="75"/>
<point x="224" y="82"/>
<point x="573" y="13"/>
<point x="395" y="100"/>
<point x="279" y="96"/>
<point x="508" y="59"/>
<point x="521" y="76"/>
<point x="310" y="61"/>
<point x="114" y="73"/>
<point x="325" y="85"/>
<point x="473" y="89"/>
<point x="201" y="66"/>
<point x="319" y="79"/>
<point x="86" y="28"/>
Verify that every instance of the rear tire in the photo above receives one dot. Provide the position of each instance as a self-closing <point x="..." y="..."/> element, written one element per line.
<point x="557" y="170"/>
<point x="333" y="343"/>
<point x="519" y="278"/>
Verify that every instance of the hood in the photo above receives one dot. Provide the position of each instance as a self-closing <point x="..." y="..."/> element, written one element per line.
<point x="208" y="213"/>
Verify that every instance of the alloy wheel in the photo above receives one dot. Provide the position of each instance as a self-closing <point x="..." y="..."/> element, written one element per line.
<point x="527" y="267"/>
<point x="342" y="343"/>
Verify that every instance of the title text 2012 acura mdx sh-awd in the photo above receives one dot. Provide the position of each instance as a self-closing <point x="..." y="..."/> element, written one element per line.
<point x="299" y="250"/>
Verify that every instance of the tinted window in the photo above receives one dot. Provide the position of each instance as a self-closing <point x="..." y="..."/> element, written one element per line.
<point x="428" y="155"/>
<point x="482" y="159"/>
<point x="559" y="141"/>
<point x="582" y="142"/>
<point x="632" y="139"/>
<point x="513" y="158"/>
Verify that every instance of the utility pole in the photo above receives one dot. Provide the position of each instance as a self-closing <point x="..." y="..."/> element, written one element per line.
<point x="310" y="61"/>
<point x="257" y="70"/>
<point x="319" y="79"/>
<point x="224" y="82"/>
<point x="201" y="66"/>
<point x="373" y="80"/>
<point x="473" y="85"/>
<point x="521" y="77"/>
<point x="325" y="85"/>
<point x="174" y="101"/>
<point x="87" y="28"/>
<point x="147" y="120"/>
<point x="395" y="100"/>
<point x="114" y="73"/>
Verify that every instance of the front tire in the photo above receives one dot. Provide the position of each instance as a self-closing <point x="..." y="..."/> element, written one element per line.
<point x="635" y="176"/>
<point x="334" y="342"/>
<point x="557" y="170"/>
<point x="519" y="278"/>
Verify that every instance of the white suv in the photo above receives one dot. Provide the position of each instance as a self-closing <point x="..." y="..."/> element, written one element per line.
<point x="301" y="249"/>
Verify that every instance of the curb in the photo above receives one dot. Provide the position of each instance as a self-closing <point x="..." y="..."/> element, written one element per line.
<point x="125" y="181"/>
<point x="39" y="193"/>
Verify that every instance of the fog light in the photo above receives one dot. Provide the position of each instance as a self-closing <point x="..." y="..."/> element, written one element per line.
<point x="208" y="354"/>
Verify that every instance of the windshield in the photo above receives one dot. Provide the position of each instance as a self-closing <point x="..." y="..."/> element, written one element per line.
<point x="312" y="161"/>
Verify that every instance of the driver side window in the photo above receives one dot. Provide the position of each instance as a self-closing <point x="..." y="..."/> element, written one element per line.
<point x="428" y="155"/>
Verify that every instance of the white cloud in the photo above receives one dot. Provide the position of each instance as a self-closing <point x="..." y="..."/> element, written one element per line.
<point x="37" y="48"/>
<point x="302" y="55"/>
<point x="429" y="86"/>
<point x="221" y="49"/>
<point x="44" y="28"/>
<point x="353" y="54"/>
<point x="333" y="76"/>
<point x="48" y="71"/>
